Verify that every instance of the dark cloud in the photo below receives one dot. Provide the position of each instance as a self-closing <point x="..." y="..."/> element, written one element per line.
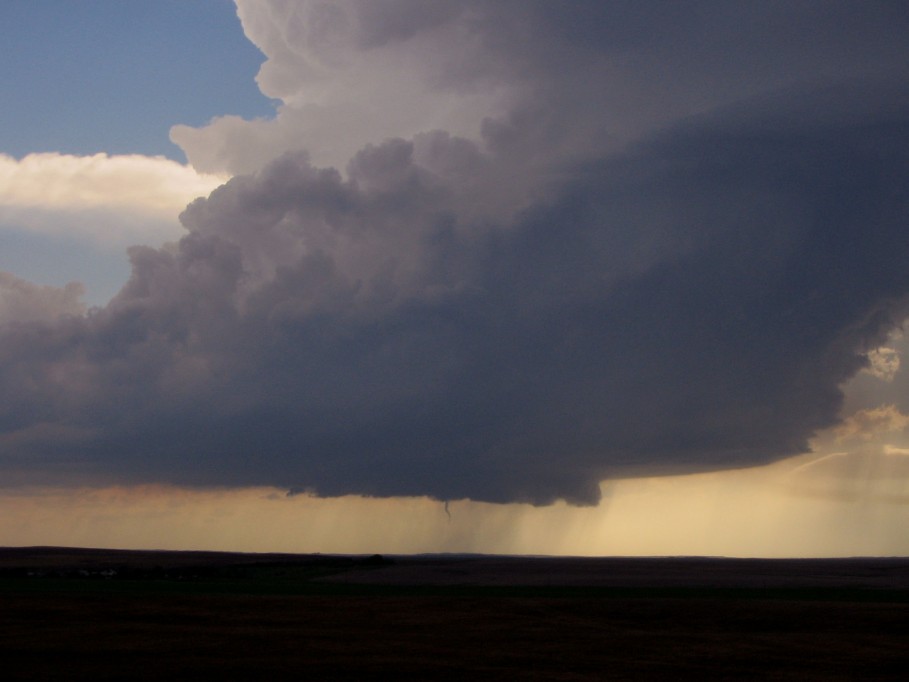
<point x="668" y="253"/>
<point x="693" y="303"/>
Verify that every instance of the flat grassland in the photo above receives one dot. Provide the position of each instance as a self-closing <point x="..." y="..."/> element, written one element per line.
<point x="80" y="614"/>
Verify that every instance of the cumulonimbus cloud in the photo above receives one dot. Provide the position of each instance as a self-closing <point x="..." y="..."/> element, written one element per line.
<point x="552" y="81"/>
<point x="695" y="303"/>
<point x="504" y="315"/>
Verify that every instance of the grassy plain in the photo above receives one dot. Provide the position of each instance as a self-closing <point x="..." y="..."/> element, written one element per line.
<point x="101" y="615"/>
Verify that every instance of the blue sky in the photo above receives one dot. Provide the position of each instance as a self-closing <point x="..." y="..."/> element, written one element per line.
<point x="114" y="76"/>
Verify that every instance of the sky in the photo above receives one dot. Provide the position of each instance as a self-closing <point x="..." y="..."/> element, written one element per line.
<point x="508" y="277"/>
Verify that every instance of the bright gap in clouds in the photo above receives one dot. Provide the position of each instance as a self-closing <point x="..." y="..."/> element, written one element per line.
<point x="777" y="511"/>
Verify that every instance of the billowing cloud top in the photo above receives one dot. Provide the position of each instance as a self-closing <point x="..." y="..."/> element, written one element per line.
<point x="629" y="244"/>
<point x="547" y="78"/>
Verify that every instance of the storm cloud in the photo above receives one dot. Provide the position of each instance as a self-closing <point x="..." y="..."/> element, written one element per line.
<point x="513" y="314"/>
<point x="556" y="81"/>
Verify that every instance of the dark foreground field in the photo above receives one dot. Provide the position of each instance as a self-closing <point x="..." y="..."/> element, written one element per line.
<point x="97" y="614"/>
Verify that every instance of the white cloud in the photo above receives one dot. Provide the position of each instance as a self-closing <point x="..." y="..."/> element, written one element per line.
<point x="65" y="217"/>
<point x="65" y="182"/>
<point x="111" y="198"/>
<point x="348" y="74"/>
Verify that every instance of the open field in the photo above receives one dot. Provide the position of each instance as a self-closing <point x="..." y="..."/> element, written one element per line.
<point x="97" y="614"/>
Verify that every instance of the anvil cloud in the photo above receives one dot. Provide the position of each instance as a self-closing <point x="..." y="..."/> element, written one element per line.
<point x="500" y="251"/>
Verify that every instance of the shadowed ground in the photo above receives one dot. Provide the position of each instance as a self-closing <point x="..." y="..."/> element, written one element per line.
<point x="184" y="615"/>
